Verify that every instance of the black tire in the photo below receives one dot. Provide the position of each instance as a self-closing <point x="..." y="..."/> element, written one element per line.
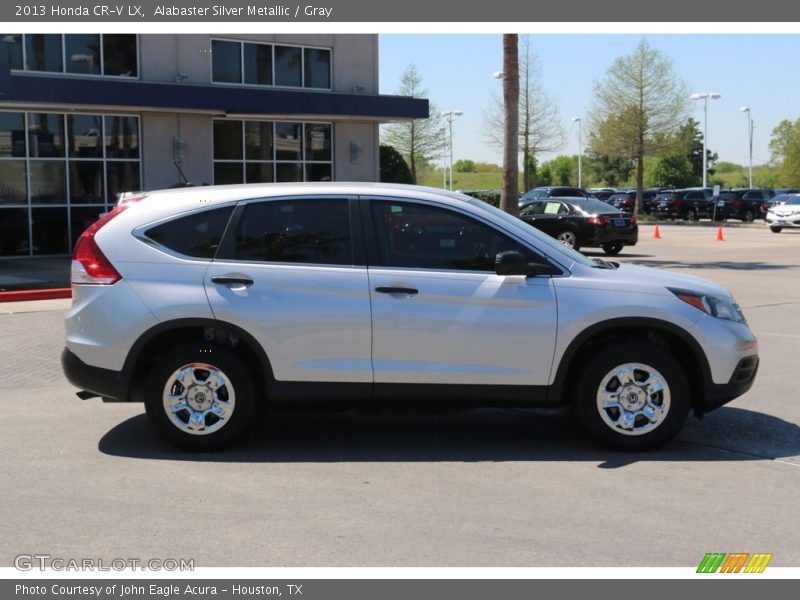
<point x="569" y="237"/>
<point x="691" y="215"/>
<point x="236" y="396"/>
<point x="775" y="228"/>
<point x="748" y="216"/>
<point x="599" y="423"/>
<point x="612" y="249"/>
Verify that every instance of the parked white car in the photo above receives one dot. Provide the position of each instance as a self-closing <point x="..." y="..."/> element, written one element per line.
<point x="204" y="302"/>
<point x="783" y="215"/>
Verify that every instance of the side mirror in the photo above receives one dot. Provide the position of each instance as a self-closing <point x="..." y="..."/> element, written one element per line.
<point x="512" y="262"/>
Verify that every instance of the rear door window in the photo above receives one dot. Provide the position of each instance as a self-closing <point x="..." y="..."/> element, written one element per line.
<point x="306" y="230"/>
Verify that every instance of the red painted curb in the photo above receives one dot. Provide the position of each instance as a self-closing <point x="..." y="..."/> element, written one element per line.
<point x="25" y="295"/>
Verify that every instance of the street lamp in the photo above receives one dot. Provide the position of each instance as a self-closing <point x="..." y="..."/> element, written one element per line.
<point x="705" y="96"/>
<point x="580" y="150"/>
<point x="450" y="116"/>
<point x="746" y="109"/>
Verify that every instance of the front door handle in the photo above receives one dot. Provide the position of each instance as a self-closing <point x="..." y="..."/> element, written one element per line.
<point x="396" y="290"/>
<point x="223" y="280"/>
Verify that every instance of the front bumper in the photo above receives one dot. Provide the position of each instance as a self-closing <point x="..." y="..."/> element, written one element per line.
<point x="111" y="385"/>
<point x="792" y="220"/>
<point x="719" y="394"/>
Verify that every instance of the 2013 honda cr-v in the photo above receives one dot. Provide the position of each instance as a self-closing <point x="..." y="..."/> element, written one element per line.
<point x="204" y="302"/>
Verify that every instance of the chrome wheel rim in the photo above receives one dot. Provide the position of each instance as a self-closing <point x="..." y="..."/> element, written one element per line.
<point x="567" y="238"/>
<point x="633" y="399"/>
<point x="198" y="399"/>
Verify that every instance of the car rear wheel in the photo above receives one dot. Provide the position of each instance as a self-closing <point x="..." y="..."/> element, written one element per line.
<point x="632" y="396"/>
<point x="199" y="399"/>
<point x="775" y="229"/>
<point x="748" y="216"/>
<point x="612" y="248"/>
<point x="569" y="238"/>
<point x="691" y="215"/>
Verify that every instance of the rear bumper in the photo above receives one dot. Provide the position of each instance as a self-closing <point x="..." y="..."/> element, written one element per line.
<point x="111" y="385"/>
<point x="719" y="394"/>
<point x="598" y="238"/>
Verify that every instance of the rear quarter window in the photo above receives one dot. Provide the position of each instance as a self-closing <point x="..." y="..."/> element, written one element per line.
<point x="197" y="235"/>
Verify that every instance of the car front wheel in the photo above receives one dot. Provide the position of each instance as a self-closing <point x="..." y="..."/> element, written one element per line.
<point x="775" y="229"/>
<point x="632" y="396"/>
<point x="199" y="399"/>
<point x="749" y="216"/>
<point x="612" y="248"/>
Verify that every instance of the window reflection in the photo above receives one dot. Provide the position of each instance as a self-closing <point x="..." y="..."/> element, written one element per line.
<point x="46" y="135"/>
<point x="86" y="182"/>
<point x="43" y="52"/>
<point x="82" y="53"/>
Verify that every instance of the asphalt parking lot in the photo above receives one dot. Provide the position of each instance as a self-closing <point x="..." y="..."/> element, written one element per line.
<point x="484" y="488"/>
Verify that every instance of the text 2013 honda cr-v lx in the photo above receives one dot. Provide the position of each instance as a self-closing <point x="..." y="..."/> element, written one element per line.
<point x="205" y="302"/>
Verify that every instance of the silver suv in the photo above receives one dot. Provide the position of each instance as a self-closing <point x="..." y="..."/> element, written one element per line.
<point x="205" y="302"/>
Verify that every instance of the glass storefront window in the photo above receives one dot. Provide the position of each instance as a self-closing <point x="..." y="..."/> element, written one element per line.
<point x="86" y="182"/>
<point x="121" y="176"/>
<point x="84" y="135"/>
<point x="272" y="151"/>
<point x="13" y="183"/>
<point x="82" y="53"/>
<point x="43" y="52"/>
<point x="50" y="230"/>
<point x="258" y="64"/>
<point x="48" y="182"/>
<point x="119" y="55"/>
<point x="14" y="231"/>
<point x="46" y="135"/>
<point x="11" y="51"/>
<point x="12" y="134"/>
<point x="122" y="137"/>
<point x="317" y="68"/>
<point x="226" y="62"/>
<point x="288" y="66"/>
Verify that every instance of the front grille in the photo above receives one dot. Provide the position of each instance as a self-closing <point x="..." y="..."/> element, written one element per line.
<point x="745" y="370"/>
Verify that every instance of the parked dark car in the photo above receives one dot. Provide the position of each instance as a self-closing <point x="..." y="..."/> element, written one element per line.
<point x="626" y="199"/>
<point x="743" y="204"/>
<point x="578" y="222"/>
<point x="552" y="191"/>
<point x="601" y="193"/>
<point x="689" y="204"/>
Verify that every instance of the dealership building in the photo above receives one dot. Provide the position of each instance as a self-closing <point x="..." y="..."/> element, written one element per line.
<point x="84" y="117"/>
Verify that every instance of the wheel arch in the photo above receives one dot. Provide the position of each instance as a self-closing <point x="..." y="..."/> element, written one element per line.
<point x="682" y="345"/>
<point x="171" y="334"/>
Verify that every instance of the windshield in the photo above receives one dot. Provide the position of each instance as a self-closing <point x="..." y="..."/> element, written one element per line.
<point x="793" y="200"/>
<point x="533" y="194"/>
<point x="516" y="224"/>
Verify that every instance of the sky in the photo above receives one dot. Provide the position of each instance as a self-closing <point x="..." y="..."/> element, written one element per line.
<point x="758" y="71"/>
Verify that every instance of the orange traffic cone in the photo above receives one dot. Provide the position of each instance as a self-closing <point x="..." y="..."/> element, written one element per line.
<point x="656" y="233"/>
<point x="720" y="236"/>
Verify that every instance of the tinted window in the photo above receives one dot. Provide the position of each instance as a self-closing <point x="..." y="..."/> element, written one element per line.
<point x="258" y="64"/>
<point x="226" y="62"/>
<point x="426" y="237"/>
<point x="12" y="57"/>
<point x="82" y="52"/>
<point x="43" y="52"/>
<point x="288" y="61"/>
<point x="315" y="231"/>
<point x="534" y="208"/>
<point x="197" y="235"/>
<point x="119" y="55"/>
<point x="592" y="206"/>
<point x="317" y="68"/>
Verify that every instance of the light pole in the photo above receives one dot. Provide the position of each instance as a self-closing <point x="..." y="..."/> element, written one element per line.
<point x="450" y="116"/>
<point x="746" y="109"/>
<point x="580" y="150"/>
<point x="443" y="135"/>
<point x="705" y="96"/>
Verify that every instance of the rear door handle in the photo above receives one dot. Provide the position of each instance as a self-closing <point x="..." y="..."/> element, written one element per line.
<point x="396" y="290"/>
<point x="223" y="280"/>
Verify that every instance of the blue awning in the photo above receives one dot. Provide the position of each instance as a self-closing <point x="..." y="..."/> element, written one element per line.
<point x="76" y="92"/>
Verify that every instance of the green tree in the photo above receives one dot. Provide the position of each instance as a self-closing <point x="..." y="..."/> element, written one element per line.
<point x="393" y="167"/>
<point x="607" y="170"/>
<point x="638" y="104"/>
<point x="673" y="171"/>
<point x="465" y="166"/>
<point x="418" y="139"/>
<point x="563" y="170"/>
<point x="785" y="147"/>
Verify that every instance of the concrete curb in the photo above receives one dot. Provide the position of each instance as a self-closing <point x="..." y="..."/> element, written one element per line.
<point x="27" y="295"/>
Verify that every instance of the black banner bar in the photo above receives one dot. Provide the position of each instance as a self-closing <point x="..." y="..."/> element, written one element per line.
<point x="361" y="11"/>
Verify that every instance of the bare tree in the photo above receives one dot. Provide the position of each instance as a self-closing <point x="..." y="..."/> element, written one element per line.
<point x="509" y="195"/>
<point x="539" y="121"/>
<point x="637" y="106"/>
<point x="418" y="140"/>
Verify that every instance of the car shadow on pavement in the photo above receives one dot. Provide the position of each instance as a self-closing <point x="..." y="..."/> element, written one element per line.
<point x="494" y="435"/>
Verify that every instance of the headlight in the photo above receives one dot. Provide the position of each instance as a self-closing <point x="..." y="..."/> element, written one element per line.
<point x="721" y="308"/>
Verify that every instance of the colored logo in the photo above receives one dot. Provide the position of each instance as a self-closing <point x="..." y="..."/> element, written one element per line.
<point x="736" y="562"/>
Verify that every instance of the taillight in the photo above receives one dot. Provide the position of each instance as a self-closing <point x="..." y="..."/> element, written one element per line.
<point x="738" y="202"/>
<point x="89" y="264"/>
<point x="633" y="220"/>
<point x="598" y="221"/>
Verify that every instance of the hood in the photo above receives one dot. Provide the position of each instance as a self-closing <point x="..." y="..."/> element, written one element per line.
<point x="655" y="281"/>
